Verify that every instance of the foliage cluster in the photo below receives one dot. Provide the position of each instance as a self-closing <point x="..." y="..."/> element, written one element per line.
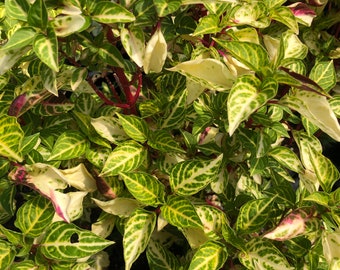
<point x="184" y="132"/>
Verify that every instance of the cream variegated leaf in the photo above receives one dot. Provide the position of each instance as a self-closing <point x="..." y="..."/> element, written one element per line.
<point x="135" y="127"/>
<point x="137" y="233"/>
<point x="246" y="96"/>
<point x="323" y="73"/>
<point x="134" y="44"/>
<point x="293" y="47"/>
<point x="210" y="255"/>
<point x="121" y="207"/>
<point x="111" y="12"/>
<point x="69" y="24"/>
<point x="287" y="158"/>
<point x="189" y="177"/>
<point x="262" y="254"/>
<point x="316" y="109"/>
<point x="285" y="15"/>
<point x="331" y="245"/>
<point x="208" y="71"/>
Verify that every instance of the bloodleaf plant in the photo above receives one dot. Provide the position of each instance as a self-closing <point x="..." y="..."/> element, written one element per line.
<point x="169" y="134"/>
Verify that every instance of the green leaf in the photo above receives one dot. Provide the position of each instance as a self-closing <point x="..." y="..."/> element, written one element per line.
<point x="29" y="143"/>
<point x="293" y="47"/>
<point x="34" y="216"/>
<point x="7" y="254"/>
<point x="46" y="48"/>
<point x="20" y="38"/>
<point x="252" y="55"/>
<point x="284" y="15"/>
<point x="69" y="24"/>
<point x="323" y="73"/>
<point x="10" y="138"/>
<point x="7" y="200"/>
<point x="37" y="15"/>
<point x="78" y="76"/>
<point x="17" y="9"/>
<point x="49" y="80"/>
<point x="175" y="115"/>
<point x="209" y="72"/>
<point x="207" y="25"/>
<point x="65" y="242"/>
<point x="189" y="177"/>
<point x="110" y="12"/>
<point x="213" y="219"/>
<point x="287" y="158"/>
<point x="179" y="212"/>
<point x="161" y="258"/>
<point x="137" y="232"/>
<point x="246" y="96"/>
<point x="211" y="255"/>
<point x="254" y="215"/>
<point x="125" y="157"/>
<point x="144" y="187"/>
<point x="70" y="144"/>
<point x="111" y="55"/>
<point x="164" y="142"/>
<point x="262" y="254"/>
<point x="319" y="197"/>
<point x="135" y="127"/>
<point x="316" y="109"/>
<point x="166" y="7"/>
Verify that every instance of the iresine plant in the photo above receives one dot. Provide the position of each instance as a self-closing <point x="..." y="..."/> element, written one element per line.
<point x="184" y="134"/>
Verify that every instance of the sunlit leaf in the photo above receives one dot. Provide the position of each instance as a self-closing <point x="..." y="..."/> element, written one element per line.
<point x="67" y="25"/>
<point x="137" y="232"/>
<point x="10" y="138"/>
<point x="121" y="207"/>
<point x="64" y="241"/>
<point x="124" y="158"/>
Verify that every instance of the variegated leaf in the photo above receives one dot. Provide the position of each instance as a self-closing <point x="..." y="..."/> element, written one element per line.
<point x="17" y="9"/>
<point x="262" y="254"/>
<point x="49" y="80"/>
<point x="316" y="109"/>
<point x="10" y="138"/>
<point x="209" y="72"/>
<point x="210" y="256"/>
<point x="30" y="142"/>
<point x="111" y="55"/>
<point x="20" y="38"/>
<point x="323" y="73"/>
<point x="136" y="128"/>
<point x="110" y="129"/>
<point x="189" y="177"/>
<point x="70" y="144"/>
<point x="254" y="215"/>
<point x="331" y="245"/>
<point x="137" y="233"/>
<point x="207" y="25"/>
<point x="46" y="48"/>
<point x="164" y="142"/>
<point x="287" y="158"/>
<point x="7" y="254"/>
<point x="144" y="187"/>
<point x="134" y="44"/>
<point x="68" y="24"/>
<point x="63" y="241"/>
<point x="293" y="47"/>
<point x="250" y="54"/>
<point x="8" y="58"/>
<point x="37" y="15"/>
<point x="34" y="216"/>
<point x="284" y="15"/>
<point x="334" y="102"/>
<point x="111" y="12"/>
<point x="161" y="258"/>
<point x="78" y="76"/>
<point x="122" y="207"/>
<point x="246" y="96"/>
<point x="155" y="53"/>
<point x="324" y="169"/>
<point x="176" y="114"/>
<point x="166" y="7"/>
<point x="104" y="225"/>
<point x="125" y="157"/>
<point x="179" y="212"/>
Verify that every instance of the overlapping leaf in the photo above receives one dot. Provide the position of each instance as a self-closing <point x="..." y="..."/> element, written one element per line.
<point x="37" y="15"/>
<point x="134" y="44"/>
<point x="20" y="38"/>
<point x="10" y="138"/>
<point x="121" y="207"/>
<point x="323" y="73"/>
<point x="189" y="177"/>
<point x="137" y="233"/>
<point x="211" y="255"/>
<point x="70" y="144"/>
<point x="163" y="141"/>
<point x="246" y="96"/>
<point x="166" y="7"/>
<point x="17" y="9"/>
<point x="253" y="215"/>
<point x="34" y="216"/>
<point x="124" y="158"/>
<point x="179" y="212"/>
<point x="287" y="157"/>
<point x="144" y="187"/>
<point x="64" y="241"/>
<point x="135" y="127"/>
<point x="7" y="254"/>
<point x="110" y="12"/>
